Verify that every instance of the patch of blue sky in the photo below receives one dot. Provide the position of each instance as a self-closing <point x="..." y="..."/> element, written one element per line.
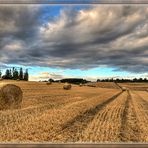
<point x="100" y="72"/>
<point x="51" y="12"/>
<point x="95" y="72"/>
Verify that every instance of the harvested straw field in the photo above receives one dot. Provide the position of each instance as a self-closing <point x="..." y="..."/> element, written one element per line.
<point x="104" y="85"/>
<point x="49" y="113"/>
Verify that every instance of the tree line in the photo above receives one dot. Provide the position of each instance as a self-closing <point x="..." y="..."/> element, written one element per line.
<point x="74" y="80"/>
<point x="83" y="81"/>
<point x="69" y="80"/>
<point x="123" y="80"/>
<point x="14" y="74"/>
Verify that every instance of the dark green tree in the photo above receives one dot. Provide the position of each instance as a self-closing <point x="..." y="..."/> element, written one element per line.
<point x="0" y="74"/>
<point x="50" y="80"/>
<point x="26" y="75"/>
<point x="7" y="74"/>
<point x="21" y="74"/>
<point x="10" y="74"/>
<point x="15" y="74"/>
<point x="145" y="80"/>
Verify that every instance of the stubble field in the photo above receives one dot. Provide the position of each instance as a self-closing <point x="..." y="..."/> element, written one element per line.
<point x="82" y="114"/>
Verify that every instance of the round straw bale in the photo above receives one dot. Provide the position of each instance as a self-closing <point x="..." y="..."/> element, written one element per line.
<point x="10" y="97"/>
<point x="124" y="88"/>
<point x="127" y="89"/>
<point x="80" y="84"/>
<point x="49" y="83"/>
<point x="67" y="86"/>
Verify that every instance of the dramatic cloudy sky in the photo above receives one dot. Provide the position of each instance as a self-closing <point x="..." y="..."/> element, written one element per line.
<point x="89" y="41"/>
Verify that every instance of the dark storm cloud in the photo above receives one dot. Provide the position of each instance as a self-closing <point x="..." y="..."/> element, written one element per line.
<point x="18" y="21"/>
<point x="112" y="36"/>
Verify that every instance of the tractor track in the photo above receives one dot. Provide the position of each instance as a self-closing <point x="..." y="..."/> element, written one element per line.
<point x="143" y="101"/>
<point x="122" y="133"/>
<point x="71" y="130"/>
<point x="129" y="125"/>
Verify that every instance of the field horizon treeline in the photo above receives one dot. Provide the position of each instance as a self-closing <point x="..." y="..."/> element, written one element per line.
<point x="117" y="80"/>
<point x="83" y="81"/>
<point x="15" y="74"/>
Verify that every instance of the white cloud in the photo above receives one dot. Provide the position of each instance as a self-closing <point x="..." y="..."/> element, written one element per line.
<point x="14" y="46"/>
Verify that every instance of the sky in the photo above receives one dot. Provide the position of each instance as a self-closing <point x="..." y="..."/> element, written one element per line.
<point x="75" y="41"/>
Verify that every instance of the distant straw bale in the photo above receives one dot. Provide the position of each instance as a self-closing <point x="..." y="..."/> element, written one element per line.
<point x="10" y="97"/>
<point x="80" y="84"/>
<point x="124" y="88"/>
<point x="127" y="89"/>
<point x="49" y="83"/>
<point x="67" y="86"/>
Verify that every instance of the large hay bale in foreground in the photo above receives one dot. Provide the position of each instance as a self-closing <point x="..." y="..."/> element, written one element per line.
<point x="10" y="97"/>
<point x="67" y="86"/>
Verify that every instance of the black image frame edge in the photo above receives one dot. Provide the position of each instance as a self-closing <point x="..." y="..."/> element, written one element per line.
<point x="74" y="145"/>
<point x="73" y="2"/>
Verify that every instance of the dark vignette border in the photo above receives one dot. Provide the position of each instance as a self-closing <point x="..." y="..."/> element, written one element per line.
<point x="81" y="145"/>
<point x="74" y="2"/>
<point x="76" y="145"/>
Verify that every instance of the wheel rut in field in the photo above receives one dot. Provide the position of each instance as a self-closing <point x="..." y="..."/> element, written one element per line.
<point x="71" y="130"/>
<point x="141" y="110"/>
<point x="142" y="101"/>
<point x="118" y="85"/>
<point x="129" y="125"/>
